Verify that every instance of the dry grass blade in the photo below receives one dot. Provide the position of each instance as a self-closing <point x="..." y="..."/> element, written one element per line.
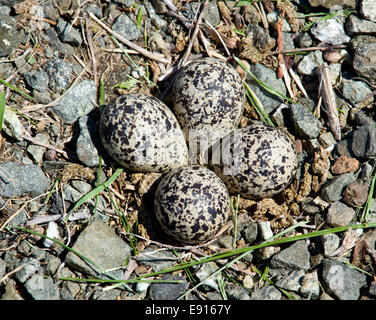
<point x="129" y="43"/>
<point x="329" y="99"/>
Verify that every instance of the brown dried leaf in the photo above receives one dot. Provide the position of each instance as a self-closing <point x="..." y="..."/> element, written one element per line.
<point x="225" y="12"/>
<point x="320" y="168"/>
<point x="305" y="187"/>
<point x="359" y="253"/>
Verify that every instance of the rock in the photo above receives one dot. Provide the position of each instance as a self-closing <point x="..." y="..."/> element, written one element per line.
<point x="17" y="180"/>
<point x="204" y="272"/>
<point x="168" y="291"/>
<point x="330" y="3"/>
<point x="35" y="151"/>
<point x="12" y="125"/>
<point x="266" y="293"/>
<point x="154" y="17"/>
<point x="292" y="282"/>
<point x="235" y="292"/>
<point x="361" y="118"/>
<point x="157" y="260"/>
<point x="294" y="257"/>
<point x="330" y="31"/>
<point x="248" y="281"/>
<point x="355" y="92"/>
<point x="327" y="140"/>
<point x="71" y="288"/>
<point x="225" y="241"/>
<point x="52" y="231"/>
<point x="9" y="36"/>
<point x="303" y="40"/>
<point x="99" y="294"/>
<point x="268" y="76"/>
<point x="68" y="33"/>
<point x="59" y="73"/>
<point x="344" y="165"/>
<point x="2" y="268"/>
<point x="10" y="292"/>
<point x="363" y="143"/>
<point x="273" y="18"/>
<point x="127" y="3"/>
<point x="78" y="102"/>
<point x="310" y="286"/>
<point x="330" y="242"/>
<point x="249" y="233"/>
<point x="368" y="10"/>
<point x="99" y="243"/>
<point x="36" y="79"/>
<point x="307" y="125"/>
<point x="372" y="288"/>
<point x="41" y="288"/>
<point x="356" y="193"/>
<point x="339" y="214"/>
<point x="342" y="281"/>
<point x="211" y="13"/>
<point x="70" y="194"/>
<point x="310" y="62"/>
<point x="81" y="186"/>
<point x="88" y="142"/>
<point x="264" y="230"/>
<point x="332" y="190"/>
<point x="126" y="27"/>
<point x="356" y="26"/>
<point x="31" y="266"/>
<point x="251" y="15"/>
<point x="364" y="61"/>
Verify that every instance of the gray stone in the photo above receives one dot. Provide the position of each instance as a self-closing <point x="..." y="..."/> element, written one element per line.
<point x="372" y="288"/>
<point x="355" y="92"/>
<point x="226" y="241"/>
<point x="249" y="233"/>
<point x="330" y="242"/>
<point x="310" y="286"/>
<point x="52" y="264"/>
<point x="157" y="260"/>
<point x="355" y="26"/>
<point x="361" y="118"/>
<point x="41" y="288"/>
<point x="12" y="125"/>
<point x="17" y="180"/>
<point x="368" y="9"/>
<point x="9" y="36"/>
<point x="364" y="142"/>
<point x="326" y="139"/>
<point x="126" y="3"/>
<point x="68" y="33"/>
<point x="303" y="40"/>
<point x="126" y="27"/>
<point x="92" y="8"/>
<point x="310" y="62"/>
<point x="292" y="281"/>
<point x="71" y="194"/>
<point x="211" y="13"/>
<point x="269" y="77"/>
<point x="71" y="288"/>
<point x="266" y="293"/>
<point x="331" y="191"/>
<point x="2" y="268"/>
<point x="235" y="292"/>
<point x="88" y="142"/>
<point x="99" y="243"/>
<point x="99" y="294"/>
<point x="59" y="73"/>
<point x="306" y="123"/>
<point x="273" y="18"/>
<point x="330" y="3"/>
<point x="342" y="281"/>
<point x="168" y="291"/>
<point x="154" y="17"/>
<point x="78" y="102"/>
<point x="81" y="186"/>
<point x="11" y="292"/>
<point x="295" y="257"/>
<point x="37" y="79"/>
<point x="330" y="31"/>
<point x="5" y="10"/>
<point x="31" y="266"/>
<point x="204" y="272"/>
<point x="364" y="61"/>
<point x="264" y="230"/>
<point x="36" y="152"/>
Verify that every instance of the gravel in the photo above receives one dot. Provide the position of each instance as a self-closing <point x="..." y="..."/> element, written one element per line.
<point x="295" y="257"/>
<point x="339" y="214"/>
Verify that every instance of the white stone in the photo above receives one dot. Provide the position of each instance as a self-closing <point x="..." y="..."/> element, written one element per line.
<point x="330" y="31"/>
<point x="51" y="232"/>
<point x="368" y="9"/>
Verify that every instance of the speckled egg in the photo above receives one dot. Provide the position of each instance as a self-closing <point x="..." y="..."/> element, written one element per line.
<point x="208" y="96"/>
<point x="142" y="134"/>
<point x="192" y="204"/>
<point x="258" y="161"/>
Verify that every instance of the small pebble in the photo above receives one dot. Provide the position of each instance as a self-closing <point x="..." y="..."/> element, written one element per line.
<point x="344" y="164"/>
<point x="339" y="214"/>
<point x="355" y="194"/>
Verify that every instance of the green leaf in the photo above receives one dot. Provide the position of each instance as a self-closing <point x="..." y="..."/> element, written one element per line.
<point x="139" y="18"/>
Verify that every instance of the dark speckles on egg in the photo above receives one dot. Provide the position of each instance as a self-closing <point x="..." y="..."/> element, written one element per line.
<point x="142" y="134"/>
<point x="194" y="201"/>
<point x="267" y="165"/>
<point x="208" y="95"/>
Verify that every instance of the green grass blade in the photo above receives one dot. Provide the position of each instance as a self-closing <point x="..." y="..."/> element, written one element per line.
<point x="2" y="109"/>
<point x="25" y="95"/>
<point x="94" y="192"/>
